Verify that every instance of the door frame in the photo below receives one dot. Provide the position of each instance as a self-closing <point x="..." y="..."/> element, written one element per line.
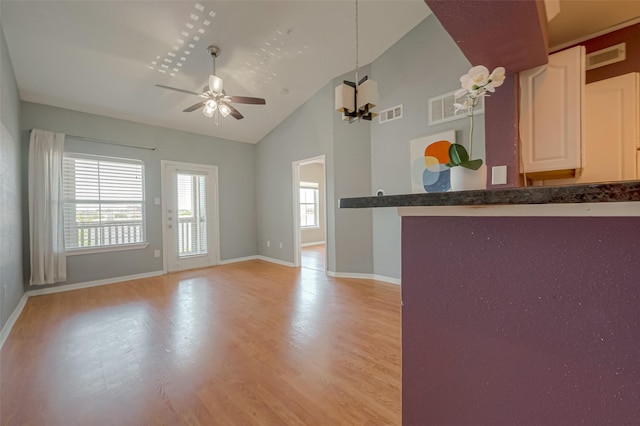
<point x="295" y="170"/>
<point x="215" y="216"/>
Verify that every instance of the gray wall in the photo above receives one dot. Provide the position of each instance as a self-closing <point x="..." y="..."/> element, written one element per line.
<point x="235" y="162"/>
<point x="11" y="281"/>
<point x="424" y="63"/>
<point x="315" y="173"/>
<point x="316" y="129"/>
<point x="306" y="133"/>
<point x="352" y="177"/>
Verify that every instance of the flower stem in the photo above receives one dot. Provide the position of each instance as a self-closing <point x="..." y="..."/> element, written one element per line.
<point x="471" y="133"/>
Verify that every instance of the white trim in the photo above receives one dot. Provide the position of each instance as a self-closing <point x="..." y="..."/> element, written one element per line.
<point x="314" y="243"/>
<point x="8" y="326"/>
<point x="238" y="259"/>
<point x="214" y="213"/>
<point x="295" y="180"/>
<point x="375" y="277"/>
<point x="76" y="286"/>
<point x="631" y="208"/>
<point x="277" y="261"/>
<point x="104" y="249"/>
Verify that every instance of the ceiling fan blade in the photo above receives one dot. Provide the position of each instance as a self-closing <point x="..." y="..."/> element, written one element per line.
<point x="195" y="106"/>
<point x="178" y="90"/>
<point x="247" y="100"/>
<point x="235" y="113"/>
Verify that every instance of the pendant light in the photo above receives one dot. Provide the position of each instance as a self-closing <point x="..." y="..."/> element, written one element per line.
<point x="356" y="99"/>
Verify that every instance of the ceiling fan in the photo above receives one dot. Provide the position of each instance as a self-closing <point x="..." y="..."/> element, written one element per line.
<point x="215" y="98"/>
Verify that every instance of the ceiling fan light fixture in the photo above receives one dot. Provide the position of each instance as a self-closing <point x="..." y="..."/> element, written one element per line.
<point x="208" y="112"/>
<point x="224" y="110"/>
<point x="211" y="104"/>
<point x="215" y="84"/>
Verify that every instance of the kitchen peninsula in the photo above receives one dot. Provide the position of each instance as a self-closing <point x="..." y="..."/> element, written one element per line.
<point x="520" y="306"/>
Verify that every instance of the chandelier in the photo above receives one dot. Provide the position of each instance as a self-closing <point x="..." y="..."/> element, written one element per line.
<point x="355" y="99"/>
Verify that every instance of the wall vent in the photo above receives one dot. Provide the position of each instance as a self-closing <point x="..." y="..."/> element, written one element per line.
<point x="441" y="109"/>
<point x="609" y="55"/>
<point x="391" y="114"/>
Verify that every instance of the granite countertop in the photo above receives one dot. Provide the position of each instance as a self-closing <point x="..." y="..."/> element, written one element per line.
<point x="574" y="194"/>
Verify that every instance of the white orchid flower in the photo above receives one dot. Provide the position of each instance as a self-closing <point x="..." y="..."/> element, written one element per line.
<point x="497" y="77"/>
<point x="475" y="79"/>
<point x="466" y="106"/>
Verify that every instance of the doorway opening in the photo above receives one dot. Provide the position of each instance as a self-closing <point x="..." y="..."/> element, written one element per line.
<point x="309" y="213"/>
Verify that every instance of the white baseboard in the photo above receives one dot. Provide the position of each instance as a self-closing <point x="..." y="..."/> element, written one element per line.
<point x="4" y="333"/>
<point x="238" y="259"/>
<point x="76" y="286"/>
<point x="50" y="290"/>
<point x="314" y="243"/>
<point x="364" y="277"/>
<point x="272" y="260"/>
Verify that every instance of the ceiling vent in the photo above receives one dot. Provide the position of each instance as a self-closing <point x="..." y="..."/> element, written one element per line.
<point x="609" y="55"/>
<point x="391" y="114"/>
<point x="441" y="109"/>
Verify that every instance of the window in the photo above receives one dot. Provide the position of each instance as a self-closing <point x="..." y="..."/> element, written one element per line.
<point x="103" y="201"/>
<point x="308" y="205"/>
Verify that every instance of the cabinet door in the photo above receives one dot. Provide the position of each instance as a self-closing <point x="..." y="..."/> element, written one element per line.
<point x="611" y="137"/>
<point x="551" y="113"/>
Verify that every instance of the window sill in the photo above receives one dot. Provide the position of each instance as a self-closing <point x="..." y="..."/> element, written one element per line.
<point x="104" y="249"/>
<point x="305" y="228"/>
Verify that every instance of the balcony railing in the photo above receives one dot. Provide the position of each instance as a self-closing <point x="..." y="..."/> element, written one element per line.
<point x="107" y="233"/>
<point x="191" y="235"/>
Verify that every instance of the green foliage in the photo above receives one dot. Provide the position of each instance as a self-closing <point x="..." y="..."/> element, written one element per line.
<point x="459" y="156"/>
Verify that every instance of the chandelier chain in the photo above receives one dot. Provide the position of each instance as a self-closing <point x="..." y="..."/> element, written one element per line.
<point x="357" y="46"/>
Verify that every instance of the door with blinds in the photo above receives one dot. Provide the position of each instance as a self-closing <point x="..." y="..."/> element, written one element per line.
<point x="190" y="216"/>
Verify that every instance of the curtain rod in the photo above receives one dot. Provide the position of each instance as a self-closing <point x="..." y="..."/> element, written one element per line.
<point x="83" y="138"/>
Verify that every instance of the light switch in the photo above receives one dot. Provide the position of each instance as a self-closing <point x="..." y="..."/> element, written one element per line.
<point x="156" y="201"/>
<point x="499" y="175"/>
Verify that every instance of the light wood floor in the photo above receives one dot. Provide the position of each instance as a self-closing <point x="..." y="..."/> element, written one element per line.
<point x="245" y="343"/>
<point x="313" y="257"/>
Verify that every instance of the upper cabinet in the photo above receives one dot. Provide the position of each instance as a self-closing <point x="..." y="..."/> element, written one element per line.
<point x="551" y="115"/>
<point x="611" y="142"/>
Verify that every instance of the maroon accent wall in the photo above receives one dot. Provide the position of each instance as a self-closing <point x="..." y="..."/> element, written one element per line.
<point x="527" y="320"/>
<point x="629" y="35"/>
<point x="502" y="131"/>
<point x="512" y="34"/>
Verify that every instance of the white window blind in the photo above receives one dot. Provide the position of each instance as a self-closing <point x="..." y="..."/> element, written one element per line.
<point x="192" y="214"/>
<point x="309" y="196"/>
<point x="103" y="201"/>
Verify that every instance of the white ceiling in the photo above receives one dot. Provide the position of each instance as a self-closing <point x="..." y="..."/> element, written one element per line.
<point x="96" y="56"/>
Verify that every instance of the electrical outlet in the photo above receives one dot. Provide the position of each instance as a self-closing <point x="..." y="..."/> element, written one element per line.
<point x="280" y="245"/>
<point x="268" y="243"/>
<point x="156" y="253"/>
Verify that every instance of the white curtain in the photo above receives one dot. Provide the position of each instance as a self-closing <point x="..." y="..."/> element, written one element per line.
<point x="46" y="208"/>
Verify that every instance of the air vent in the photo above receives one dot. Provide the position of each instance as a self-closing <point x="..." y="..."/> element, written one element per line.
<point x="441" y="109"/>
<point x="607" y="56"/>
<point x="391" y="114"/>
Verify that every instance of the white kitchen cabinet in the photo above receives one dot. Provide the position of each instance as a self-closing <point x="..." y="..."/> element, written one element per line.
<point x="611" y="131"/>
<point x="551" y="110"/>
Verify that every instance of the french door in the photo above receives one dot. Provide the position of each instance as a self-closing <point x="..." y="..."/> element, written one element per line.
<point x="190" y="215"/>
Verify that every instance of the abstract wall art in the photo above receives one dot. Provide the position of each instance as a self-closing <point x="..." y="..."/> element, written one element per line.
<point x="429" y="156"/>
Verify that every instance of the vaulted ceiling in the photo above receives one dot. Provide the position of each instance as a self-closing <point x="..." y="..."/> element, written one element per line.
<point x="105" y="57"/>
